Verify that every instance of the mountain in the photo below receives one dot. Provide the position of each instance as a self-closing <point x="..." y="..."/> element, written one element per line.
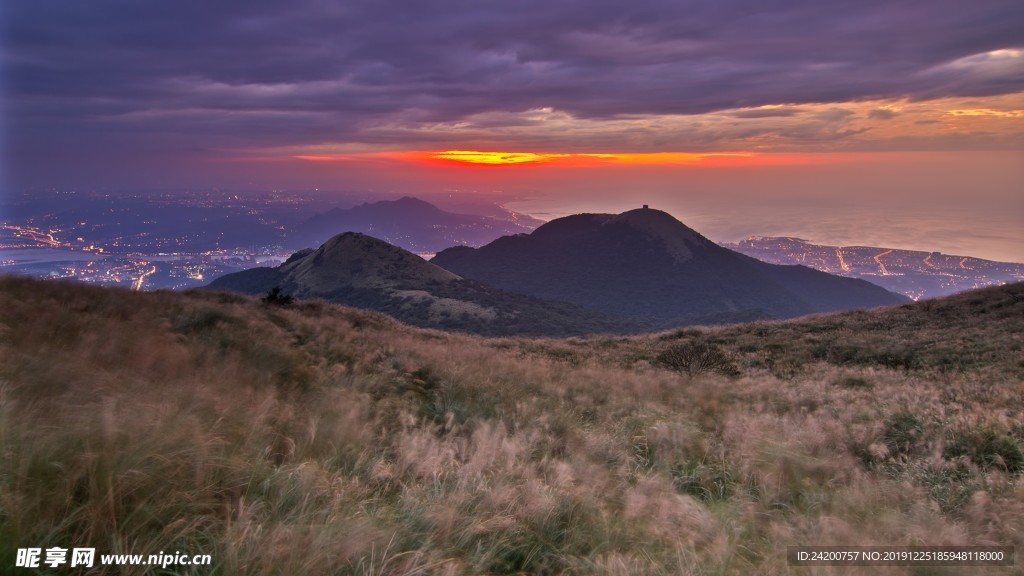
<point x="915" y="273"/>
<point x="410" y="223"/>
<point x="358" y="270"/>
<point x="646" y="266"/>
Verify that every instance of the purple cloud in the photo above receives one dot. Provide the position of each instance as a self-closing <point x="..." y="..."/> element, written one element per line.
<point x="193" y="75"/>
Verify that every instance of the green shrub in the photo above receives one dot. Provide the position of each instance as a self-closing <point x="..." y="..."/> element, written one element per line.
<point x="706" y="481"/>
<point x="987" y="447"/>
<point x="904" y="433"/>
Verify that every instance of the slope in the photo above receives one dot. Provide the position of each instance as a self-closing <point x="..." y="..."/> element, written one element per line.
<point x="646" y="266"/>
<point x="318" y="439"/>
<point x="362" y="271"/>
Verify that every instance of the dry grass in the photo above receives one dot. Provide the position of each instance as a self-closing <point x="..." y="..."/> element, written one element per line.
<point x="315" y="439"/>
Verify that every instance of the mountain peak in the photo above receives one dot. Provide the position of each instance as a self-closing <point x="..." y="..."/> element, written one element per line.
<point x="406" y="205"/>
<point x="359" y="270"/>
<point x="411" y="202"/>
<point x="679" y="239"/>
<point x="358" y="259"/>
<point x="408" y="222"/>
<point x="646" y="266"/>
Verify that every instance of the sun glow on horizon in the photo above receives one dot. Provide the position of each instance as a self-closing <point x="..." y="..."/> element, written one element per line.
<point x="497" y="158"/>
<point x="492" y="158"/>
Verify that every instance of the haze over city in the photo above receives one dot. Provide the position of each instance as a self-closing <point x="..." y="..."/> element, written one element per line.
<point x="877" y="123"/>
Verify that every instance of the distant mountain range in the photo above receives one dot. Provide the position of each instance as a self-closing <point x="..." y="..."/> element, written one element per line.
<point x="581" y="274"/>
<point x="412" y="224"/>
<point x="914" y="273"/>
<point x="358" y="270"/>
<point x="645" y="266"/>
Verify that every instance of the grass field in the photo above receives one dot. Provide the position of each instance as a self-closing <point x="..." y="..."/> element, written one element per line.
<point x="316" y="439"/>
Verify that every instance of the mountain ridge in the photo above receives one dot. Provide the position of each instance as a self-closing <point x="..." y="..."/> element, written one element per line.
<point x="410" y="223"/>
<point x="359" y="270"/>
<point x="646" y="266"/>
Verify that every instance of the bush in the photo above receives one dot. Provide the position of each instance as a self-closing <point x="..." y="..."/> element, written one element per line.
<point x="904" y="433"/>
<point x="853" y="382"/>
<point x="278" y="298"/>
<point x="694" y="358"/>
<point x="987" y="447"/>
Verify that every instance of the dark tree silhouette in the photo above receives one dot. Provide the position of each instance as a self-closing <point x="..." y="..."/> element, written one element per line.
<point x="278" y="298"/>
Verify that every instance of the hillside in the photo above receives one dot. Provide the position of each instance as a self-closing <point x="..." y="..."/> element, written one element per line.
<point x="645" y="266"/>
<point x="318" y="439"/>
<point x="409" y="223"/>
<point x="359" y="270"/>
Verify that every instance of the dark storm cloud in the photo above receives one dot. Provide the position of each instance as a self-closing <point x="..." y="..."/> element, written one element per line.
<point x="261" y="73"/>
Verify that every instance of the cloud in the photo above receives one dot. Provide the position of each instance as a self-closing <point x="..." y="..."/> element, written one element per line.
<point x="766" y="112"/>
<point x="264" y="73"/>
<point x="834" y="115"/>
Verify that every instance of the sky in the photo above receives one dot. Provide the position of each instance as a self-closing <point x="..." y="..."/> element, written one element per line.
<point x="889" y="122"/>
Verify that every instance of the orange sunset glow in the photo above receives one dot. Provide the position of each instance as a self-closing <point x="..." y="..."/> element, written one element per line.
<point x="504" y="158"/>
<point x="500" y="158"/>
<point x="560" y="159"/>
<point x="493" y="158"/>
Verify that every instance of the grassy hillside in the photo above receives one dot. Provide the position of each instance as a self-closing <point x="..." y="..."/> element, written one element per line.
<point x="316" y="439"/>
<point x="357" y="270"/>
